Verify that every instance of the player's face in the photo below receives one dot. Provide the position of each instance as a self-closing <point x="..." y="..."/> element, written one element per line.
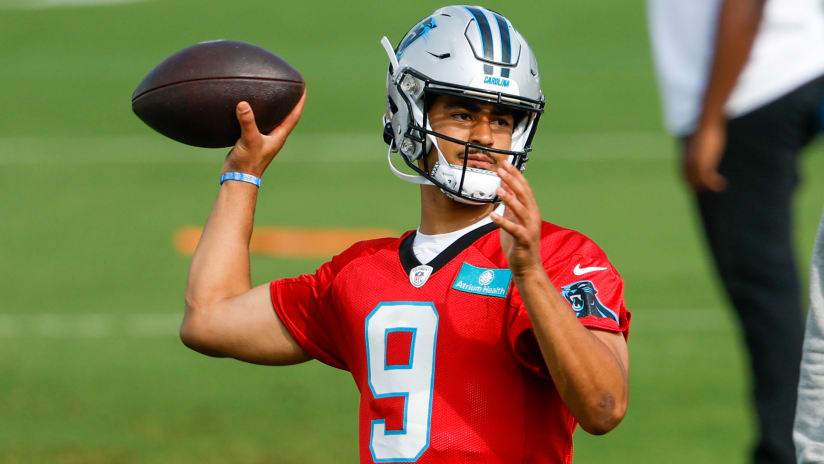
<point x="479" y="123"/>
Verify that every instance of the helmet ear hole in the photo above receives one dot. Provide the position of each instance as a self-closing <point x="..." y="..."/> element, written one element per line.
<point x="393" y="108"/>
<point x="387" y="133"/>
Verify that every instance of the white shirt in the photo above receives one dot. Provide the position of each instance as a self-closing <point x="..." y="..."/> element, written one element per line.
<point x="788" y="51"/>
<point x="427" y="247"/>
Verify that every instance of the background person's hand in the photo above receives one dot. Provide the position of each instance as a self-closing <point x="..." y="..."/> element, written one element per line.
<point x="254" y="151"/>
<point x="701" y="156"/>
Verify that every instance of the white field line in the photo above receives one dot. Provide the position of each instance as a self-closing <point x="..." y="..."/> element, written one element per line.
<point x="315" y="147"/>
<point x="44" y="4"/>
<point x="98" y="325"/>
<point x="90" y="325"/>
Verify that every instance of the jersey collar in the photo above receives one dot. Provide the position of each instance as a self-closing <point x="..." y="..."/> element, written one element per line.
<point x="410" y="261"/>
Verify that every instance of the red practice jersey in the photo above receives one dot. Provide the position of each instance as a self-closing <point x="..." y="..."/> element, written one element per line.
<point x="443" y="355"/>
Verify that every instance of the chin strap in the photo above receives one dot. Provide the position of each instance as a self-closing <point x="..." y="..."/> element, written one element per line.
<point x="473" y="177"/>
<point x="476" y="182"/>
<point x="415" y="179"/>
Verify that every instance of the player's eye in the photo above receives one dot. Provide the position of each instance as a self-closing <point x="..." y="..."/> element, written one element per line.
<point x="503" y="122"/>
<point x="461" y="116"/>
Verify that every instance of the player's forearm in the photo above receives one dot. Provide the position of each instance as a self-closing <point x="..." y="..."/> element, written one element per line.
<point x="589" y="377"/>
<point x="220" y="265"/>
<point x="738" y="23"/>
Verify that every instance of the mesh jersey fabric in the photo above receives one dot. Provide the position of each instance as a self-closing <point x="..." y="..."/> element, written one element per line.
<point x="489" y="393"/>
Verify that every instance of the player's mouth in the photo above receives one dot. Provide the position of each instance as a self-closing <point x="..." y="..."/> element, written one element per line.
<point x="479" y="160"/>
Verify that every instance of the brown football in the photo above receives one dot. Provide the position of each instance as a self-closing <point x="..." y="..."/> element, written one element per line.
<point x="191" y="96"/>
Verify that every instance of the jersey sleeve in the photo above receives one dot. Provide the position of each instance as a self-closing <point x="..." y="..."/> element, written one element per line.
<point x="591" y="286"/>
<point x="306" y="308"/>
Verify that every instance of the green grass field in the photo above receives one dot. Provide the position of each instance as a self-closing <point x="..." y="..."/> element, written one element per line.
<point x="91" y="290"/>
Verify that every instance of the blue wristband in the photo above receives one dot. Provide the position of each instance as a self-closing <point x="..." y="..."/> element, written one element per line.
<point x="243" y="177"/>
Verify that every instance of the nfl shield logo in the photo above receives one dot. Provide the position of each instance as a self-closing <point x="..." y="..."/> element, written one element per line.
<point x="419" y="275"/>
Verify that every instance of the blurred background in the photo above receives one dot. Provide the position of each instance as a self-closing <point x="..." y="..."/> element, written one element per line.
<point x="91" y="287"/>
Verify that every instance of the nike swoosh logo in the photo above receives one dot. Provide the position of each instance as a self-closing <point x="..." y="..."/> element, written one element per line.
<point x="586" y="270"/>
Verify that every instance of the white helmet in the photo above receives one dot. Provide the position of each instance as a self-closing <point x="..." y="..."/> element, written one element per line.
<point x="465" y="51"/>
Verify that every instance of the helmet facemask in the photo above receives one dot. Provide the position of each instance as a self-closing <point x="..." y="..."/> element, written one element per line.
<point x="462" y="182"/>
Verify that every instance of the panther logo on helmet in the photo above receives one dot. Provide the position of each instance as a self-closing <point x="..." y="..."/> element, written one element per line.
<point x="417" y="32"/>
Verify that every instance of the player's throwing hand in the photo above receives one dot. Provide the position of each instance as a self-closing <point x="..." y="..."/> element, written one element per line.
<point x="521" y="223"/>
<point x="254" y="151"/>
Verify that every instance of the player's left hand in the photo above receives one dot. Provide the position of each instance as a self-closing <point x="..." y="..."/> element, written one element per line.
<point x="521" y="223"/>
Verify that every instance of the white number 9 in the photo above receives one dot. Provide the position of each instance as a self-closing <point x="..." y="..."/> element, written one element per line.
<point x="413" y="381"/>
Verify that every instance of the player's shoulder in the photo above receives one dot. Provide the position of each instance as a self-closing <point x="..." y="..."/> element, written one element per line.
<point x="560" y="244"/>
<point x="366" y="249"/>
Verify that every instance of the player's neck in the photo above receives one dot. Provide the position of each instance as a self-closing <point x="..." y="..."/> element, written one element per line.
<point x="440" y="214"/>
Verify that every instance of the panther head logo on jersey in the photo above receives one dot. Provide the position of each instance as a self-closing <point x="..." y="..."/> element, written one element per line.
<point x="581" y="295"/>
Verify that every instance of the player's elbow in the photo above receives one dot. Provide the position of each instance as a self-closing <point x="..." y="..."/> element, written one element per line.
<point x="195" y="331"/>
<point x="603" y="414"/>
<point x="191" y="329"/>
<point x="189" y="332"/>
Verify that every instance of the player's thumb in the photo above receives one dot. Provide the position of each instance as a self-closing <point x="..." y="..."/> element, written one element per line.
<point x="246" y="117"/>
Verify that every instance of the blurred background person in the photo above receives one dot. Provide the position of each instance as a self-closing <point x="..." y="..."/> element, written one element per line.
<point x="742" y="82"/>
<point x="809" y="426"/>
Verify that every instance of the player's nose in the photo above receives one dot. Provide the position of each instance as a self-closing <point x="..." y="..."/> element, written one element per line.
<point x="482" y="132"/>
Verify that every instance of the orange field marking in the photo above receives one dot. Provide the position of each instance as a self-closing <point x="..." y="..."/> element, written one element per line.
<point x="290" y="242"/>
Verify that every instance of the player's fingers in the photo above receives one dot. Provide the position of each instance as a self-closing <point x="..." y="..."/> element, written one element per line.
<point x="291" y="120"/>
<point x="502" y="222"/>
<point x="519" y="176"/>
<point x="514" y="205"/>
<point x="526" y="208"/>
<point x="529" y="196"/>
<point x="517" y="231"/>
<point x="506" y="188"/>
<point x="246" y="117"/>
<point x="516" y="182"/>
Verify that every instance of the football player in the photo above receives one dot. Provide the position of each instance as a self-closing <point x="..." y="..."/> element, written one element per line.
<point x="486" y="335"/>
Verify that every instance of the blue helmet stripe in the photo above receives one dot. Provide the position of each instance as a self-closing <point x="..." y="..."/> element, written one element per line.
<point x="506" y="44"/>
<point x="486" y="35"/>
